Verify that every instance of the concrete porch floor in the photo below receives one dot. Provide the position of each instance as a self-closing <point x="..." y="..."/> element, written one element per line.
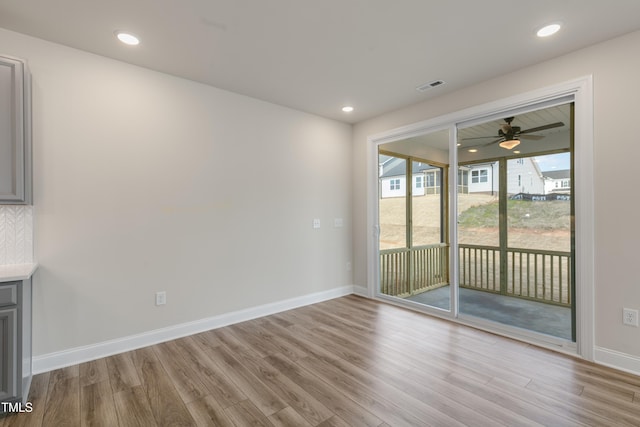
<point x="535" y="316"/>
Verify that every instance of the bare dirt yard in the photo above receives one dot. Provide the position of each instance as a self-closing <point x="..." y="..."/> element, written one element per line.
<point x="532" y="225"/>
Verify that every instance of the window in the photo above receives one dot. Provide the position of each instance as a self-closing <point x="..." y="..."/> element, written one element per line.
<point x="394" y="184"/>
<point x="432" y="179"/>
<point x="419" y="181"/>
<point x="565" y="183"/>
<point x="463" y="181"/>
<point x="463" y="177"/>
<point x="479" y="176"/>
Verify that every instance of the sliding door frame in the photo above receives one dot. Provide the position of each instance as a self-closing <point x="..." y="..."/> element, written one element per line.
<point x="580" y="92"/>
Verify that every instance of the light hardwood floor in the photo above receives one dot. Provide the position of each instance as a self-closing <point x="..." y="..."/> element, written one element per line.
<point x="344" y="362"/>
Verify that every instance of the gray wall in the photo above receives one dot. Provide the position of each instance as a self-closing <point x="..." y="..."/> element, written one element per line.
<point x="615" y="66"/>
<point x="147" y="182"/>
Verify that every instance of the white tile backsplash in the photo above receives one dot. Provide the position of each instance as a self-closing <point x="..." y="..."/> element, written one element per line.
<point x="16" y="234"/>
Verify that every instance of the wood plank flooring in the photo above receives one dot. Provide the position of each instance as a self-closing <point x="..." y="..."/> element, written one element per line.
<point x="345" y="362"/>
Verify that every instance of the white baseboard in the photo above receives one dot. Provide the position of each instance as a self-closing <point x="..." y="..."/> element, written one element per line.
<point x="618" y="360"/>
<point x="48" y="362"/>
<point x="74" y="356"/>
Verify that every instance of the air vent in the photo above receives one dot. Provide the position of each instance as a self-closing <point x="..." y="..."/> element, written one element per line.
<point x="430" y="85"/>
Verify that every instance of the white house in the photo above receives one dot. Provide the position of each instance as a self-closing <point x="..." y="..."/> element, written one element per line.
<point x="557" y="181"/>
<point x="426" y="178"/>
<point x="523" y="176"/>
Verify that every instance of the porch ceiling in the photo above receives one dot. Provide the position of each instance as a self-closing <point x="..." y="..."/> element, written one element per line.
<point x="436" y="144"/>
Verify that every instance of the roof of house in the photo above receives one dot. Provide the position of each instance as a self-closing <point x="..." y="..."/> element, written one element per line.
<point x="393" y="166"/>
<point x="561" y="174"/>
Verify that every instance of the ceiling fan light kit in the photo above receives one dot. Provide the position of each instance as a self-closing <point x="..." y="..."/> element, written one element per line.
<point x="509" y="144"/>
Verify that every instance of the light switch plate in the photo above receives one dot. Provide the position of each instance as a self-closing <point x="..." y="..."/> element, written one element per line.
<point x="161" y="298"/>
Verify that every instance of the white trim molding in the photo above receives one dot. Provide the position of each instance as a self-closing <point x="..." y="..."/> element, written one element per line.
<point x="74" y="356"/>
<point x="617" y="360"/>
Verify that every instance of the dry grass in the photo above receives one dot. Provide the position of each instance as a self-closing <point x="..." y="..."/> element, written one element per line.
<point x="545" y="227"/>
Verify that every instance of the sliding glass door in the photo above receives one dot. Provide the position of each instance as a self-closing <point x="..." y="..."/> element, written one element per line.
<point x="515" y="222"/>
<point x="514" y="261"/>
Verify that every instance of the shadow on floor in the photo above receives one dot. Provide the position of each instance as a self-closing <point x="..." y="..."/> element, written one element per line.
<point x="535" y="316"/>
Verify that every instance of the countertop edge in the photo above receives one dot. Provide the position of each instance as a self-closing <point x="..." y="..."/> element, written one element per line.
<point x="15" y="272"/>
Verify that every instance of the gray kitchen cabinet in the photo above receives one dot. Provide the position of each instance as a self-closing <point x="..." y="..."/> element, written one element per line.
<point x="15" y="341"/>
<point x="15" y="132"/>
<point x="8" y="353"/>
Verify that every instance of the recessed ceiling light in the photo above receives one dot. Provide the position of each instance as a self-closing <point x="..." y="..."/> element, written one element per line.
<point x="548" y="30"/>
<point x="127" y="38"/>
<point x="473" y="150"/>
<point x="347" y="109"/>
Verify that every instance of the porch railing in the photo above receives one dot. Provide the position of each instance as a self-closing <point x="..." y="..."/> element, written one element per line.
<point x="405" y="272"/>
<point x="539" y="275"/>
<point x="479" y="268"/>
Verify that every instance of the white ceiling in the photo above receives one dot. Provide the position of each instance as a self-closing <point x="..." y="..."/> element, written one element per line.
<point x="317" y="56"/>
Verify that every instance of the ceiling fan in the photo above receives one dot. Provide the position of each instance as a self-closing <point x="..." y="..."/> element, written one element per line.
<point x="509" y="136"/>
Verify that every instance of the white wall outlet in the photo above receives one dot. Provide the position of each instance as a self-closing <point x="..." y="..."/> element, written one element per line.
<point x="630" y="317"/>
<point x="316" y="223"/>
<point x="161" y="298"/>
<point x="338" y="222"/>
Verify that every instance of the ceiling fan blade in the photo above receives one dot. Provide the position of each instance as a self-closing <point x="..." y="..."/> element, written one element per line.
<point x="545" y="127"/>
<point x="493" y="142"/>
<point x="480" y="137"/>
<point x="518" y="134"/>
<point x="465" y="147"/>
<point x="531" y="137"/>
